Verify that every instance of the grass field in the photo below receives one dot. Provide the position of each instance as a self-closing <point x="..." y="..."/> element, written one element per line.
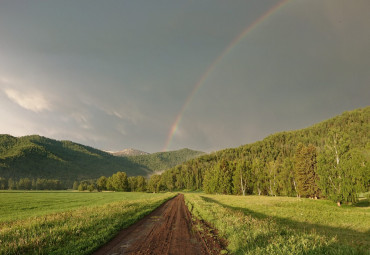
<point x="15" y="205"/>
<point x="284" y="225"/>
<point x="68" y="222"/>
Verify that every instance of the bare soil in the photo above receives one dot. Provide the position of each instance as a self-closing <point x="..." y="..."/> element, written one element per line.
<point x="167" y="230"/>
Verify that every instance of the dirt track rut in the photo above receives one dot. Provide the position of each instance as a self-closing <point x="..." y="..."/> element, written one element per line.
<point x="167" y="230"/>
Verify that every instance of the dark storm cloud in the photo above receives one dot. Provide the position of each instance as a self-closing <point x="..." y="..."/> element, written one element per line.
<point x="115" y="74"/>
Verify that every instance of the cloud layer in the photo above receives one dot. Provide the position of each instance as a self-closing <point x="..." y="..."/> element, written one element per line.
<point x="116" y="75"/>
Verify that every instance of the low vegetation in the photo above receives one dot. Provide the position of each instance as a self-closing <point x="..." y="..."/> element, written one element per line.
<point x="283" y="225"/>
<point x="77" y="231"/>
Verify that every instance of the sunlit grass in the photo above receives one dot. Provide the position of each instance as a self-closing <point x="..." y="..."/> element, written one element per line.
<point x="283" y="225"/>
<point x="15" y="205"/>
<point x="78" y="231"/>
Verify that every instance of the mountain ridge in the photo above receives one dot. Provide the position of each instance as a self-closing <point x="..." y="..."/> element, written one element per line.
<point x="128" y="152"/>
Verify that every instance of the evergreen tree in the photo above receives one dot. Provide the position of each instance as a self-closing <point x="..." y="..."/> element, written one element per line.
<point x="305" y="171"/>
<point x="225" y="180"/>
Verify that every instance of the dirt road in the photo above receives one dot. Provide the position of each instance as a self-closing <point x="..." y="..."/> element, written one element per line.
<point x="167" y="230"/>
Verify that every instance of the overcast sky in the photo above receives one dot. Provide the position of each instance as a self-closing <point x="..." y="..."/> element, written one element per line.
<point x="116" y="74"/>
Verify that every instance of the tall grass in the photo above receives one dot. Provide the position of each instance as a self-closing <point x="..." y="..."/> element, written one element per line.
<point x="79" y="231"/>
<point x="251" y="232"/>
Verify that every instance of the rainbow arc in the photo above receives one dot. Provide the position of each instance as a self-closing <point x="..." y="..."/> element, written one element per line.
<point x="212" y="66"/>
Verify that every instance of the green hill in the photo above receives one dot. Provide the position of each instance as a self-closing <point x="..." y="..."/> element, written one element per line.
<point x="339" y="151"/>
<point x="40" y="157"/>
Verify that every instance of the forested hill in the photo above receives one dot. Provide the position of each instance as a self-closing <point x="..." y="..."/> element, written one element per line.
<point x="336" y="150"/>
<point x="163" y="160"/>
<point x="40" y="157"/>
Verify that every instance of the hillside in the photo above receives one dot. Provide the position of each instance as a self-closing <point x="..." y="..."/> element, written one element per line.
<point x="163" y="160"/>
<point x="129" y="152"/>
<point x="338" y="149"/>
<point x="40" y="157"/>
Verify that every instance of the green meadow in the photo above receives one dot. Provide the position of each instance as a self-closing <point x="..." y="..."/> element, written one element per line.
<point x="79" y="222"/>
<point x="68" y="222"/>
<point x="284" y="225"/>
<point x="15" y="205"/>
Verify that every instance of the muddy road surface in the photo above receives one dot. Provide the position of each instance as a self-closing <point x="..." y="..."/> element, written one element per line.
<point x="167" y="230"/>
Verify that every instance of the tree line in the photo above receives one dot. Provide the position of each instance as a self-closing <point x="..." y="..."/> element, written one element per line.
<point x="118" y="182"/>
<point x="30" y="184"/>
<point x="328" y="160"/>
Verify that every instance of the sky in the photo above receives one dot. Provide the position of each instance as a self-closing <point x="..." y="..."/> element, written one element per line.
<point x="171" y="74"/>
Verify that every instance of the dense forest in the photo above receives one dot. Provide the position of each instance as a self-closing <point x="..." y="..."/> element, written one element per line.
<point x="330" y="159"/>
<point x="36" y="157"/>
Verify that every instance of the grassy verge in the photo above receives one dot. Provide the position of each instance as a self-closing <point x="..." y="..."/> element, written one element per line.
<point x="79" y="231"/>
<point x="250" y="228"/>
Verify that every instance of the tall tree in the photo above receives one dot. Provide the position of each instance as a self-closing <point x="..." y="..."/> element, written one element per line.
<point x="155" y="184"/>
<point x="286" y="179"/>
<point x="120" y="182"/>
<point x="272" y="167"/>
<point x="243" y="177"/>
<point x="305" y="171"/>
<point x="132" y="183"/>
<point x="260" y="176"/>
<point x="75" y="185"/>
<point x="101" y="183"/>
<point x="141" y="184"/>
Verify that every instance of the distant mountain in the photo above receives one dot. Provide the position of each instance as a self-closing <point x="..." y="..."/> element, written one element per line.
<point x="129" y="152"/>
<point x="163" y="160"/>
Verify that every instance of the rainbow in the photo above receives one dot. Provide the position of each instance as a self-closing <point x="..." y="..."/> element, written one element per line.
<point x="209" y="70"/>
